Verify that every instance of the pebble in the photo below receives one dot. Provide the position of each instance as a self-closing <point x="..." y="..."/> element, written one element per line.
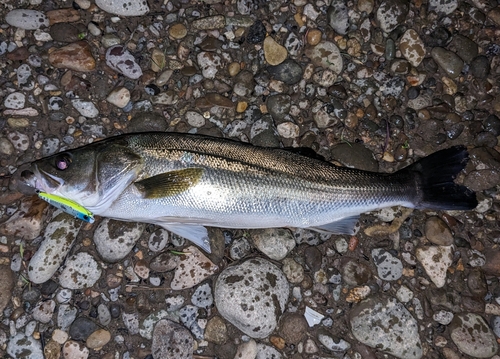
<point x="480" y="67"/>
<point x="247" y="350"/>
<point x="124" y="7"/>
<point x="266" y="351"/>
<point x="436" y="260"/>
<point x="289" y="72"/>
<point x="147" y="121"/>
<point x="202" y="296"/>
<point x="98" y="339"/>
<point x="313" y="37"/>
<point x="122" y="61"/>
<point x="442" y="7"/>
<point x="22" y="346"/>
<point x="252" y="296"/>
<point x="131" y="321"/>
<point x="74" y="350"/>
<point x="216" y="331"/>
<point x="443" y="317"/>
<point x="178" y="31"/>
<point x="391" y="13"/>
<point x="239" y="248"/>
<point x="274" y="53"/>
<point x="209" y="63"/>
<point x="335" y="345"/>
<point x="147" y="326"/>
<point x="44" y="310"/>
<point x="85" y="108"/>
<point x="115" y="239"/>
<point x="80" y="271"/>
<point x="438" y="232"/>
<point x="27" y="19"/>
<point x="327" y="55"/>
<point x="275" y="243"/>
<point x="293" y="328"/>
<point x="171" y="341"/>
<point x="381" y="314"/>
<point x="15" y="100"/>
<point x="451" y="64"/>
<point x="472" y="335"/>
<point x="389" y="267"/>
<point x="195" y="119"/>
<point x="256" y="33"/>
<point x="158" y="240"/>
<point x="165" y="262"/>
<point x="58" y="239"/>
<point x="76" y="56"/>
<point x="412" y="47"/>
<point x="288" y="130"/>
<point x="194" y="267"/>
<point x="338" y="16"/>
<point x="209" y="23"/>
<point x="66" y="315"/>
<point x="354" y="155"/>
<point x="465" y="47"/>
<point x="119" y="97"/>
<point x="104" y="314"/>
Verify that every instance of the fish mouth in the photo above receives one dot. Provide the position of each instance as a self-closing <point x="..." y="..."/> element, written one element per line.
<point x="41" y="180"/>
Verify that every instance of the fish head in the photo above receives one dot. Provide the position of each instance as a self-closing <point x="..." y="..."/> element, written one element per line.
<point x="92" y="176"/>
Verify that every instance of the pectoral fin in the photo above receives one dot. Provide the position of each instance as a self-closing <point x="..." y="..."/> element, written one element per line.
<point x="169" y="183"/>
<point x="196" y="234"/>
<point x="343" y="226"/>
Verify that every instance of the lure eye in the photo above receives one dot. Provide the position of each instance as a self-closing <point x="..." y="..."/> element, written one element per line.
<point x="62" y="162"/>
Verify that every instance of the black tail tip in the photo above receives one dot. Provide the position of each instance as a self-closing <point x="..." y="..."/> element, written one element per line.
<point x="438" y="189"/>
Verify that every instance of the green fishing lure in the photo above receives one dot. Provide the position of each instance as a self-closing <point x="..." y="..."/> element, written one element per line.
<point x="68" y="206"/>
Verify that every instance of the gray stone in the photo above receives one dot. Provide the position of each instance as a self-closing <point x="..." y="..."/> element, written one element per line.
<point x="124" y="7"/>
<point x="194" y="267"/>
<point x="44" y="310"/>
<point x="85" y="108"/>
<point x="171" y="341"/>
<point x="327" y="55"/>
<point x="275" y="243"/>
<point x="384" y="323"/>
<point x="448" y="61"/>
<point x="81" y="271"/>
<point x="58" y="239"/>
<point x="388" y="267"/>
<point x="115" y="239"/>
<point x="472" y="335"/>
<point x="338" y="16"/>
<point x="25" y="347"/>
<point x="355" y="155"/>
<point x="27" y="19"/>
<point x="252" y="296"/>
<point x="202" y="296"/>
<point x="15" y="100"/>
<point x="122" y="61"/>
<point x="442" y="7"/>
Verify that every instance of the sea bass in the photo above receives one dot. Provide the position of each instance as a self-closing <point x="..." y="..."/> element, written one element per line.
<point x="185" y="182"/>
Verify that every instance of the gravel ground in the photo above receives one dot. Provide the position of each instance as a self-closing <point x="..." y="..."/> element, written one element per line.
<point x="368" y="84"/>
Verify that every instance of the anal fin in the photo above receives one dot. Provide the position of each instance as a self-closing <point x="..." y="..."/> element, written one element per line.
<point x="345" y="225"/>
<point x="195" y="233"/>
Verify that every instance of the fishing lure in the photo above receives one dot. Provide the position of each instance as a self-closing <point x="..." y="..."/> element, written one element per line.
<point x="68" y="206"/>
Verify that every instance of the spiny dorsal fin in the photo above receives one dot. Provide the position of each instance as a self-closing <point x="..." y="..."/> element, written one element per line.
<point x="169" y="183"/>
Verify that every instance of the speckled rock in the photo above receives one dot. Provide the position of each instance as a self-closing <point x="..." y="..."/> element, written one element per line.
<point x="15" y="100"/>
<point x="436" y="260"/>
<point x="412" y="47"/>
<point x="26" y="347"/>
<point x="252" y="296"/>
<point x="44" y="310"/>
<point x="442" y="7"/>
<point x="85" y="108"/>
<point x="327" y="55"/>
<point x="115" y="239"/>
<point x="275" y="243"/>
<point x="209" y="63"/>
<point x="338" y="17"/>
<point x="27" y="19"/>
<point x="27" y="221"/>
<point x="391" y="13"/>
<point x="389" y="267"/>
<point x="124" y="7"/>
<point x="74" y="350"/>
<point x="384" y="323"/>
<point x="194" y="267"/>
<point x="289" y="72"/>
<point x="123" y="62"/>
<point x="472" y="335"/>
<point x="171" y="341"/>
<point x="59" y="236"/>
<point x="81" y="271"/>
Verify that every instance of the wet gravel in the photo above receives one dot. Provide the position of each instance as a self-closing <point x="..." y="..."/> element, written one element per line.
<point x="367" y="84"/>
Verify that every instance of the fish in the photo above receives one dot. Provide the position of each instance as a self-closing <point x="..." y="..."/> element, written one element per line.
<point x="185" y="183"/>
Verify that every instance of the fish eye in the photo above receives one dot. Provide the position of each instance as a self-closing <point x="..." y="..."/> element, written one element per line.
<point x="63" y="161"/>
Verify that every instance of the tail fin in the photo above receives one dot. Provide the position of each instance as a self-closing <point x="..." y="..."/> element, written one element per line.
<point x="435" y="175"/>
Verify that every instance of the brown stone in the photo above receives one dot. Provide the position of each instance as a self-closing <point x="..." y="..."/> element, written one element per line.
<point x="63" y="15"/>
<point x="76" y="56"/>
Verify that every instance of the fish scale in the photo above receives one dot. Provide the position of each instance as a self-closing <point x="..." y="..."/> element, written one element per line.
<point x="185" y="182"/>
